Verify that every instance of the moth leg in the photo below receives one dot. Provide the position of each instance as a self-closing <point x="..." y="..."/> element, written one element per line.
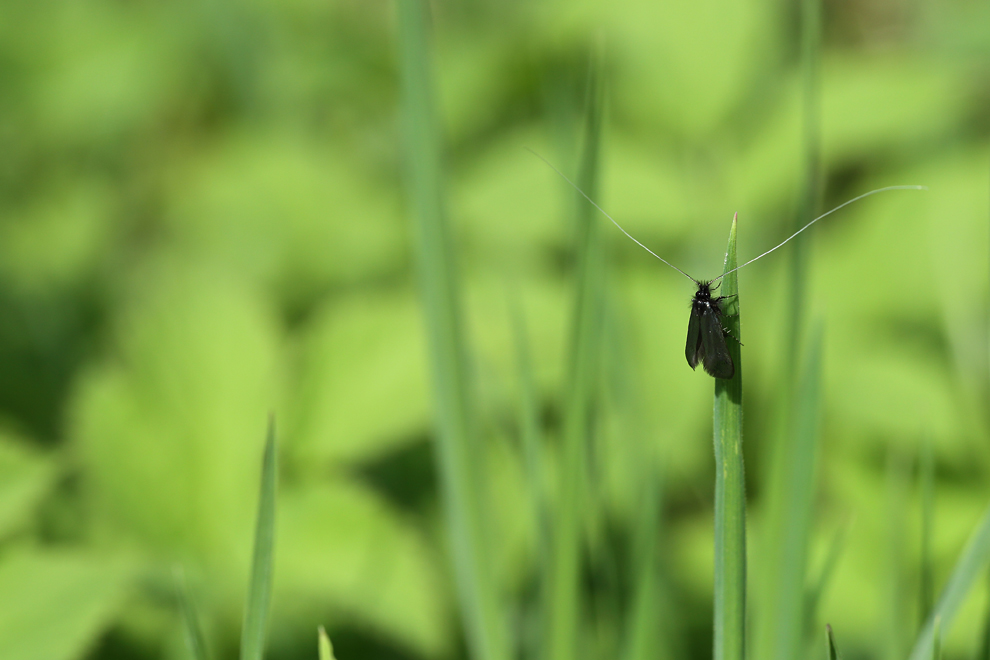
<point x="729" y="332"/>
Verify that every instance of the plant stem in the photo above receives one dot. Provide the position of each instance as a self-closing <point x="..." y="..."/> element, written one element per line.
<point x="730" y="487"/>
<point x="456" y="449"/>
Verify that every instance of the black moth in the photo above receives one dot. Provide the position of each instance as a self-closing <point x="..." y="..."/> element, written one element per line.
<point x="706" y="335"/>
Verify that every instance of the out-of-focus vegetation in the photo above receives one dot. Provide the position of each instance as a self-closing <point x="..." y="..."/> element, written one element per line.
<point x="203" y="219"/>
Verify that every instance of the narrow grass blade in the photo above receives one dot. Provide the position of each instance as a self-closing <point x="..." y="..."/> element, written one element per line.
<point x="971" y="564"/>
<point x="926" y="475"/>
<point x="791" y="497"/>
<point x="326" y="648"/>
<point x="814" y="596"/>
<point x="456" y="453"/>
<point x="531" y="439"/>
<point x="811" y="36"/>
<point x="984" y="653"/>
<point x="833" y="650"/>
<point x="260" y="587"/>
<point x="897" y="621"/>
<point x="195" y="641"/>
<point x="937" y="640"/>
<point x="641" y="632"/>
<point x="565" y="602"/>
<point x="730" y="487"/>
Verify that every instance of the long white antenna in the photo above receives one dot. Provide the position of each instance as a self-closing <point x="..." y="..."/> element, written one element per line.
<point x="781" y="244"/>
<point x="573" y="185"/>
<point x="854" y="199"/>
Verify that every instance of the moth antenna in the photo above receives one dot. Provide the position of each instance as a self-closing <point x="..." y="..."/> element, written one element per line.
<point x="854" y="199"/>
<point x="574" y="185"/>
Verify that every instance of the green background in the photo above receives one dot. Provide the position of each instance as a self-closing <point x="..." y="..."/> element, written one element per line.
<point x="203" y="220"/>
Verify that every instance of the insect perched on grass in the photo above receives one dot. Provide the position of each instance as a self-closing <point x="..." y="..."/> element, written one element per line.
<point x="706" y="334"/>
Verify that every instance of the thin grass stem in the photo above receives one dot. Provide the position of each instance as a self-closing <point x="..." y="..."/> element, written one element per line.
<point x="968" y="569"/>
<point x="730" y="487"/>
<point x="565" y="600"/>
<point x="455" y="446"/>
<point x="260" y="587"/>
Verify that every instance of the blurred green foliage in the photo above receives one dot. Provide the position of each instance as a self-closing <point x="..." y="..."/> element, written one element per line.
<point x="202" y="220"/>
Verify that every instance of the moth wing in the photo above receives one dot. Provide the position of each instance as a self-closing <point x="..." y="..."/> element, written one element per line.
<point x="693" y="351"/>
<point x="717" y="361"/>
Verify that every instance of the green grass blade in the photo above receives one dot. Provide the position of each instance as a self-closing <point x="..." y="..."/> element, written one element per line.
<point x="531" y="440"/>
<point x="984" y="653"/>
<point x="565" y="603"/>
<point x="926" y="474"/>
<point x="326" y="648"/>
<point x="817" y="591"/>
<point x="195" y="641"/>
<point x="971" y="564"/>
<point x="833" y="650"/>
<point x="792" y="491"/>
<point x="641" y="631"/>
<point x="937" y="640"/>
<point x="897" y="620"/>
<point x="458" y="466"/>
<point x="260" y="587"/>
<point x="730" y="488"/>
<point x="811" y="36"/>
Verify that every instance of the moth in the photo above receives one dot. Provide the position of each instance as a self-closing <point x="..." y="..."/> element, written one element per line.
<point x="706" y="344"/>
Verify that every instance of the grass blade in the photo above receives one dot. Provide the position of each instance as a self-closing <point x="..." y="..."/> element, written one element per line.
<point x="937" y="641"/>
<point x="833" y="651"/>
<point x="984" y="653"/>
<point x="811" y="37"/>
<point x="816" y="592"/>
<point x="730" y="487"/>
<point x="565" y="604"/>
<point x="926" y="475"/>
<point x="971" y="564"/>
<point x="260" y="587"/>
<point x="195" y="641"/>
<point x="326" y="648"/>
<point x="531" y="439"/>
<point x="897" y="597"/>
<point x="455" y="455"/>
<point x="641" y="632"/>
<point x="792" y="490"/>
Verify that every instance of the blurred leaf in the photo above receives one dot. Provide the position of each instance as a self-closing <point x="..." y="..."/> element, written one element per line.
<point x="508" y="205"/>
<point x="870" y="389"/>
<point x="293" y="214"/>
<point x="97" y="72"/>
<point x="358" y="357"/>
<point x="162" y="427"/>
<point x="879" y="102"/>
<point x="55" y="604"/>
<point x="342" y="546"/>
<point x="692" y="62"/>
<point x="59" y="239"/>
<point x="26" y="476"/>
<point x="678" y="400"/>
